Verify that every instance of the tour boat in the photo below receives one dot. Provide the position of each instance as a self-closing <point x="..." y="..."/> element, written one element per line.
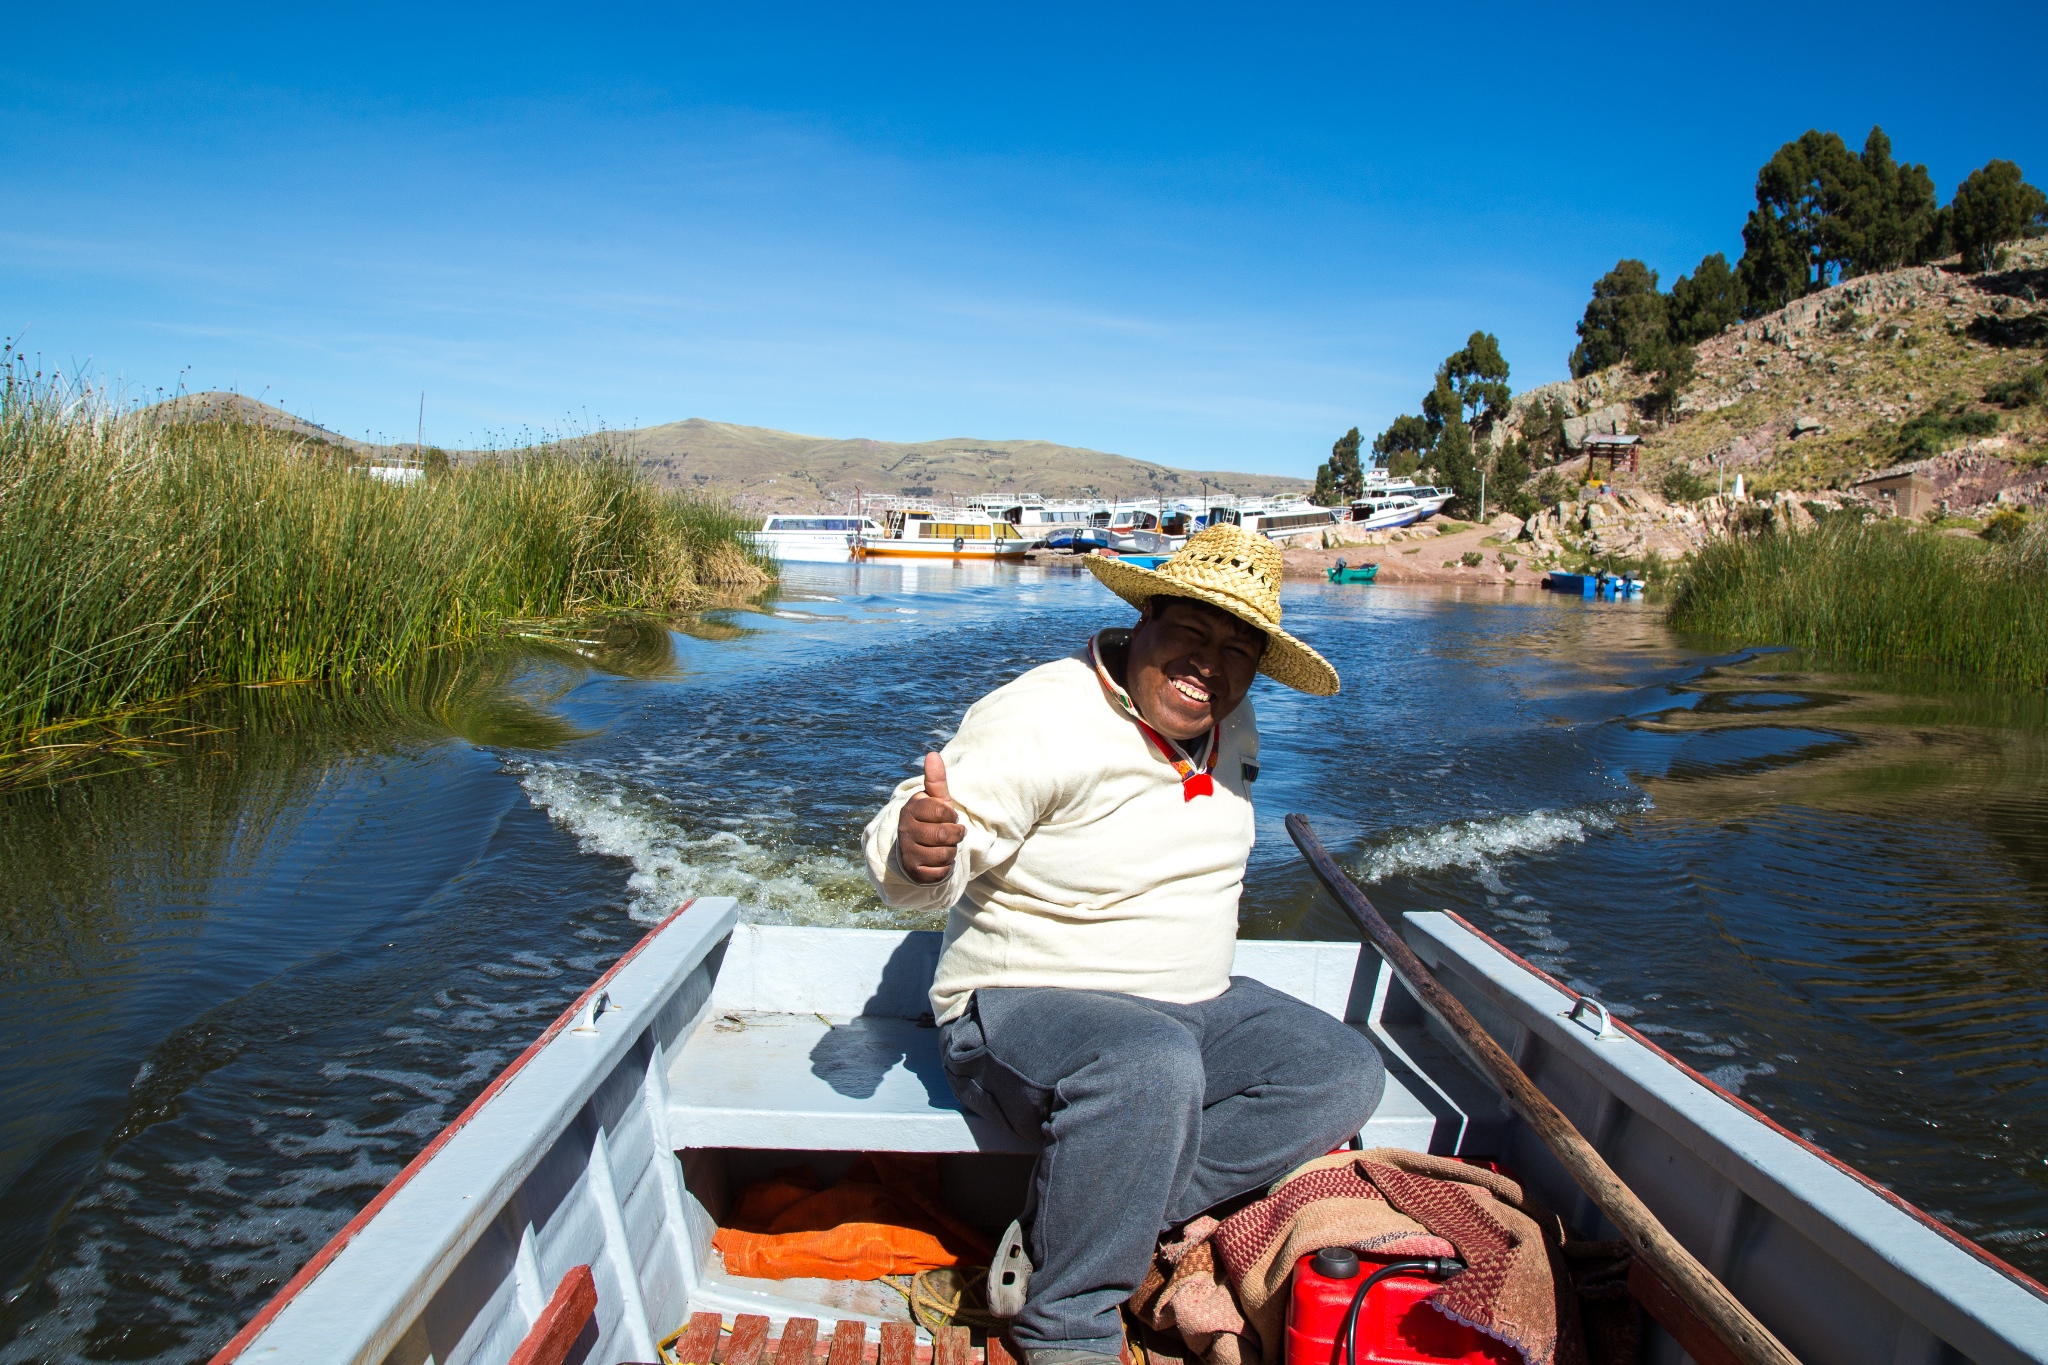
<point x="1276" y="520"/>
<point x="1147" y="527"/>
<point x="1035" y="516"/>
<point x="817" y="540"/>
<point x="959" y="533"/>
<point x="1389" y="502"/>
<point x="568" y="1212"/>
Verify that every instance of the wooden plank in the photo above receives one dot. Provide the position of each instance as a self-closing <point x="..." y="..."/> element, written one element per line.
<point x="749" y="1339"/>
<point x="998" y="1354"/>
<point x="799" y="1342"/>
<point x="699" y="1341"/>
<point x="848" y="1339"/>
<point x="899" y="1344"/>
<point x="556" y="1329"/>
<point x="950" y="1346"/>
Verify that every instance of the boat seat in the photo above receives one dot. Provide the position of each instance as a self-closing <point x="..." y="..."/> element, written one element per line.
<point x="816" y="1080"/>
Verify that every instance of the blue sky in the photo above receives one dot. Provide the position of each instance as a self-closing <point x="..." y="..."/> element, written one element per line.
<point x="1214" y="237"/>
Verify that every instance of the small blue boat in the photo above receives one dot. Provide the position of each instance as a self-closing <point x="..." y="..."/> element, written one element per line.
<point x="1144" y="561"/>
<point x="1606" y="587"/>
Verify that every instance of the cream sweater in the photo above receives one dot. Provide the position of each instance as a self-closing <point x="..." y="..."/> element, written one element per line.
<point x="1084" y="866"/>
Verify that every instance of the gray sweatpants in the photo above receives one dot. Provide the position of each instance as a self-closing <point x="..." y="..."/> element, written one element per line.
<point x="1150" y="1113"/>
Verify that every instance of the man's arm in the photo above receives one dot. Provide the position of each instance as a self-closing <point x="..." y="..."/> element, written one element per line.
<point x="972" y="808"/>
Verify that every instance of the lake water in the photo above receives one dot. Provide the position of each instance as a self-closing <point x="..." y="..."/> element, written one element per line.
<point x="243" y="988"/>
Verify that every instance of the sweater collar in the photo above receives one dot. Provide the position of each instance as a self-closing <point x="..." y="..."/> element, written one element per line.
<point x="1111" y="688"/>
<point x="1192" y="772"/>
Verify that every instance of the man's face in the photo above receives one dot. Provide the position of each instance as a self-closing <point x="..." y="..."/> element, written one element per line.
<point x="1190" y="665"/>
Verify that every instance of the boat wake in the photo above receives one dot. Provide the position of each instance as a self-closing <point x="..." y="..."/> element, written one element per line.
<point x="615" y="817"/>
<point x="1481" y="845"/>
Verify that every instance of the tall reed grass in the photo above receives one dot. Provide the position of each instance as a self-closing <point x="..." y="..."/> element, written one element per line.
<point x="144" y="559"/>
<point x="1879" y="597"/>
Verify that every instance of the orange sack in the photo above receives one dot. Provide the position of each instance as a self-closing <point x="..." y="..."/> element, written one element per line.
<point x="882" y="1218"/>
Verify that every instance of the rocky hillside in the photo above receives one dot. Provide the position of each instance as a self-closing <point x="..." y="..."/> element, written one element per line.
<point x="1926" y="369"/>
<point x="1906" y="367"/>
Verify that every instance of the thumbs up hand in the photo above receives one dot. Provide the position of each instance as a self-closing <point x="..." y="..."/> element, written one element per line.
<point x="929" y="831"/>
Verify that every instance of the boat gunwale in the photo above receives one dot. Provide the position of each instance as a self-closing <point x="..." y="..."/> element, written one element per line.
<point x="1897" y="1201"/>
<point x="332" y="1249"/>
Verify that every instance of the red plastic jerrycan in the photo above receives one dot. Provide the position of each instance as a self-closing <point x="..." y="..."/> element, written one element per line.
<point x="1394" y="1326"/>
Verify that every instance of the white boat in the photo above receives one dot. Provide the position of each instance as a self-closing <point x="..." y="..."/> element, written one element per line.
<point x="1386" y="510"/>
<point x="1151" y="527"/>
<point x="955" y="533"/>
<point x="714" y="1052"/>
<point x="1277" y="519"/>
<point x="813" y="539"/>
<point x="1389" y="502"/>
<point x="1035" y="516"/>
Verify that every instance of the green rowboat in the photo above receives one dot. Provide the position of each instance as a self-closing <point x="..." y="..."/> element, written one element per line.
<point x="1341" y="572"/>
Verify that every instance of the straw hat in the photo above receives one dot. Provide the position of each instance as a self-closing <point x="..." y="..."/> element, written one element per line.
<point x="1228" y="567"/>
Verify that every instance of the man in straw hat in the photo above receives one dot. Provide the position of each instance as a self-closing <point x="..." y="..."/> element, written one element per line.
<point x="1088" y="828"/>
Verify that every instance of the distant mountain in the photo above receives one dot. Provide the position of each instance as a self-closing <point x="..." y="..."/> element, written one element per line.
<point x="768" y="468"/>
<point x="785" y="469"/>
<point x="218" y="405"/>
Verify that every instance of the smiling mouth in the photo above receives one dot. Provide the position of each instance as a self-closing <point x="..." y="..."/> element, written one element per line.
<point x="1192" y="690"/>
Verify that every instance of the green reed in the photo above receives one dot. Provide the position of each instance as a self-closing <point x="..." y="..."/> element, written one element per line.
<point x="1880" y="597"/>
<point x="142" y="560"/>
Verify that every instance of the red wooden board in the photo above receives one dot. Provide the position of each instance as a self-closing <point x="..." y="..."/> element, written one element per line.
<point x="799" y="1339"/>
<point x="899" y="1344"/>
<point x="749" y="1338"/>
<point x="699" y="1341"/>
<point x="548" y="1341"/>
<point x="847" y="1339"/>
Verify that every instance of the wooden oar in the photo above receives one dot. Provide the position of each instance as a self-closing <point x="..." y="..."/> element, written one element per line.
<point x="1718" y="1310"/>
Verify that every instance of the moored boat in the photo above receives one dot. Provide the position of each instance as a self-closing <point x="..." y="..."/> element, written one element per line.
<point x="1341" y="572"/>
<point x="813" y="539"/>
<point x="1276" y="520"/>
<point x="1607" y="587"/>
<point x="1388" y="503"/>
<point x="576" y="1199"/>
<point x="918" y="533"/>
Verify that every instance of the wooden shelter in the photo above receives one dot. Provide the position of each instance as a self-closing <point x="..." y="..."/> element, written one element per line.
<point x="1613" y="448"/>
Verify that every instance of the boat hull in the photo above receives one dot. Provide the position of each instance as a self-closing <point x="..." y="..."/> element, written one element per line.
<point x="1606" y="587"/>
<point x="911" y="549"/>
<point x="803" y="549"/>
<point x="739" y="1047"/>
<point x="1364" y="573"/>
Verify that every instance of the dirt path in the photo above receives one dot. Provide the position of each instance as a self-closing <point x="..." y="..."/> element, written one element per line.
<point x="1429" y="559"/>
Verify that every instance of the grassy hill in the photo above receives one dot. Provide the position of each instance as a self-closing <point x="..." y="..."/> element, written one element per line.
<point x="216" y="405"/>
<point x="765" y="468"/>
<point x="783" y="468"/>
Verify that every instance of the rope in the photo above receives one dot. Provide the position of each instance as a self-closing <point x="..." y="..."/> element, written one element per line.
<point x="947" y="1297"/>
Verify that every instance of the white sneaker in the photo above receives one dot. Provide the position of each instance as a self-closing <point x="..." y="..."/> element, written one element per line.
<point x="1009" y="1275"/>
